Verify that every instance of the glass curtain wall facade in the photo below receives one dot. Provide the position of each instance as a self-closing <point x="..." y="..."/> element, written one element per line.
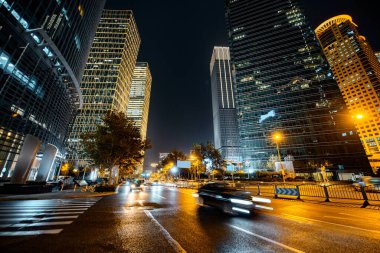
<point x="44" y="45"/>
<point x="139" y="98"/>
<point x="107" y="77"/>
<point x="284" y="83"/>
<point x="357" y="72"/>
<point x="226" y="134"/>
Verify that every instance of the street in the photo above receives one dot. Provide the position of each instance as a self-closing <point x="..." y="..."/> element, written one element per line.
<point x="164" y="219"/>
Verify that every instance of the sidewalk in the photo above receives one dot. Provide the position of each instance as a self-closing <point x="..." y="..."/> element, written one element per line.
<point x="66" y="194"/>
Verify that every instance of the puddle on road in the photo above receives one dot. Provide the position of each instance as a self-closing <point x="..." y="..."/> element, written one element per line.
<point x="142" y="205"/>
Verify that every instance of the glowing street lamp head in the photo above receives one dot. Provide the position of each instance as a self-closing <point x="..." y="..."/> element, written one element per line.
<point x="174" y="169"/>
<point x="277" y="137"/>
<point x="359" y="116"/>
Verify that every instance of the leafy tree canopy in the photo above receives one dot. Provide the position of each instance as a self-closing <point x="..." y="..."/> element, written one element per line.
<point x="115" y="142"/>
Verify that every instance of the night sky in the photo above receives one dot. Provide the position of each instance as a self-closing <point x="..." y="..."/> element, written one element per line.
<point x="177" y="42"/>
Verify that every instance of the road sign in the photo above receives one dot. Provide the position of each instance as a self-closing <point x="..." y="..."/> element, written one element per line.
<point x="287" y="191"/>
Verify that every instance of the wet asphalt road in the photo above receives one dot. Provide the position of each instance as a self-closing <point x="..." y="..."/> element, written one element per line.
<point x="162" y="219"/>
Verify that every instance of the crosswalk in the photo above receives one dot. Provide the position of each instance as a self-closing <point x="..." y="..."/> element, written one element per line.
<point x="36" y="217"/>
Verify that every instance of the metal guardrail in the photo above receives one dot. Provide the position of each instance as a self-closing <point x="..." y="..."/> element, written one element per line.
<point x="333" y="191"/>
<point x="328" y="192"/>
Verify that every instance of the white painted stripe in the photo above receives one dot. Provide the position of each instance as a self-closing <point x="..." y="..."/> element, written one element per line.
<point x="60" y="205"/>
<point x="339" y="218"/>
<point x="36" y="214"/>
<point x="38" y="219"/>
<point x="360" y="217"/>
<point x="45" y="210"/>
<point x="35" y="232"/>
<point x="331" y="223"/>
<point x="39" y="224"/>
<point x="40" y="207"/>
<point x="176" y="246"/>
<point x="157" y="195"/>
<point x="267" y="239"/>
<point x="61" y="217"/>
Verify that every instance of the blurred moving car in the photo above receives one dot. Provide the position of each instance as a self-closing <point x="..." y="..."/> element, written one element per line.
<point x="137" y="185"/>
<point x="229" y="199"/>
<point x="368" y="182"/>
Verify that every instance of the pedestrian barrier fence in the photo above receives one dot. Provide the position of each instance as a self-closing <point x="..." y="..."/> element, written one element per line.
<point x="326" y="191"/>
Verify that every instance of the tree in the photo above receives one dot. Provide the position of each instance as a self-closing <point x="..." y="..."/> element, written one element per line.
<point x="171" y="160"/>
<point x="116" y="142"/>
<point x="209" y="153"/>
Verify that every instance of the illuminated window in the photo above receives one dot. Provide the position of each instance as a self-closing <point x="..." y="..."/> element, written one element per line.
<point x="81" y="10"/>
<point x="11" y="69"/>
<point x="77" y="41"/>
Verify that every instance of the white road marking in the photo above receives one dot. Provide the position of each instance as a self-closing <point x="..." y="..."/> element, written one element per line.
<point x="23" y="208"/>
<point x="340" y="218"/>
<point x="35" y="232"/>
<point x="267" y="239"/>
<point x="36" y="214"/>
<point x="331" y="223"/>
<point x="39" y="219"/>
<point x="45" y="210"/>
<point x="155" y="194"/>
<point x="37" y="224"/>
<point x="176" y="246"/>
<point x="360" y="217"/>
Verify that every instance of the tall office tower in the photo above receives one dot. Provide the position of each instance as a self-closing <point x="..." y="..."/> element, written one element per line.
<point x="226" y="134"/>
<point x="357" y="72"/>
<point x="44" y="45"/>
<point x="107" y="77"/>
<point x="378" y="56"/>
<point x="284" y="84"/>
<point x="139" y="98"/>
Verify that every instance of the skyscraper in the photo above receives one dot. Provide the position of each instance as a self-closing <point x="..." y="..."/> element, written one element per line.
<point x="107" y="77"/>
<point x="226" y="134"/>
<point x="44" y="45"/>
<point x="357" y="72"/>
<point x="284" y="84"/>
<point x="139" y="98"/>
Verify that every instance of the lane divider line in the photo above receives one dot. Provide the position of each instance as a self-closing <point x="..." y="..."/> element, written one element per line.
<point x="360" y="217"/>
<point x="267" y="239"/>
<point x="330" y="223"/>
<point x="339" y="218"/>
<point x="176" y="246"/>
<point x="155" y="194"/>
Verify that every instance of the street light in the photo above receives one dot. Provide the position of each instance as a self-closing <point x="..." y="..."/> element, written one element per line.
<point x="277" y="137"/>
<point x="359" y="116"/>
<point x="194" y="158"/>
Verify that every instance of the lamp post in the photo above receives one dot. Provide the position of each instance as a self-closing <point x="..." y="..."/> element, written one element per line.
<point x="194" y="158"/>
<point x="277" y="137"/>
